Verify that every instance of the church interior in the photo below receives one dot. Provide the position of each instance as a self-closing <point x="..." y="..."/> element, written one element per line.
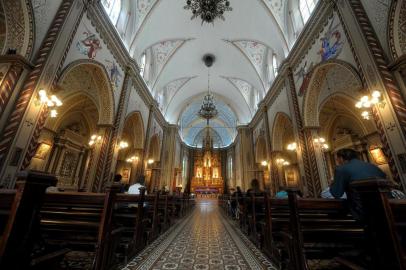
<point x="203" y="134"/>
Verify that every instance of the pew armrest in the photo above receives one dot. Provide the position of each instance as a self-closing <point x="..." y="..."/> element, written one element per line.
<point x="45" y="260"/>
<point x="348" y="264"/>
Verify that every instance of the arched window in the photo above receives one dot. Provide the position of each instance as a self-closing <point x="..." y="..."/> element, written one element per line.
<point x="142" y="65"/>
<point x="274" y="65"/>
<point x="306" y="8"/>
<point x="112" y="8"/>
<point x="230" y="167"/>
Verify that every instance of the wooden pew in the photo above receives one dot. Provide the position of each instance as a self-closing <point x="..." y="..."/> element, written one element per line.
<point x="129" y="214"/>
<point x="19" y="221"/>
<point x="296" y="229"/>
<point x="385" y="221"/>
<point x="321" y="229"/>
<point x="81" y="222"/>
<point x="164" y="212"/>
<point x="152" y="217"/>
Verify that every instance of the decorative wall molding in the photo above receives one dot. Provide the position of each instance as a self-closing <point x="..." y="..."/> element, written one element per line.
<point x="19" y="15"/>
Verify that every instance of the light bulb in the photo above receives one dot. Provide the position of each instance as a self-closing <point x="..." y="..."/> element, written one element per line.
<point x="376" y="94"/>
<point x="374" y="100"/>
<point x="42" y="93"/>
<point x="54" y="113"/>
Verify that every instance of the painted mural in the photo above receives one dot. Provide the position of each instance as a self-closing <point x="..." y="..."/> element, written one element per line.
<point x="331" y="43"/>
<point x="114" y="74"/>
<point x="305" y="73"/>
<point x="330" y="47"/>
<point x="89" y="45"/>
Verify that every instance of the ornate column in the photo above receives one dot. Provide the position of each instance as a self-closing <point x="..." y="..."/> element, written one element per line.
<point x="274" y="169"/>
<point x="274" y="184"/>
<point x="146" y="141"/>
<point x="25" y="122"/>
<point x="100" y="158"/>
<point x="112" y="152"/>
<point x="317" y="159"/>
<point x="390" y="118"/>
<point x="309" y="171"/>
<point x="78" y="166"/>
<point x="12" y="68"/>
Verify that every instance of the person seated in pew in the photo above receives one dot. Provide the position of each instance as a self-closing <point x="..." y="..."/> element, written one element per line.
<point x="234" y="203"/>
<point x="352" y="169"/>
<point x="53" y="189"/>
<point x="326" y="194"/>
<point x="117" y="180"/>
<point x="257" y="192"/>
<point x="254" y="188"/>
<point x="281" y="194"/>
<point x="135" y="188"/>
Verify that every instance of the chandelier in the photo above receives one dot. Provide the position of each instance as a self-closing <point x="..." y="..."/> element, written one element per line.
<point x="208" y="109"/>
<point x="208" y="10"/>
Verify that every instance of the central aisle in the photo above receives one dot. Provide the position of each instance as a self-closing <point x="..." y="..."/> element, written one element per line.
<point x="204" y="240"/>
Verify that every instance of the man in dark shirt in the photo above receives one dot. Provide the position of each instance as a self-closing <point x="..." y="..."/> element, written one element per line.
<point x="352" y="169"/>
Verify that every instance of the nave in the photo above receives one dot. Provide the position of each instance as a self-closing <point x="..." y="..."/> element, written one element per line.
<point x="204" y="240"/>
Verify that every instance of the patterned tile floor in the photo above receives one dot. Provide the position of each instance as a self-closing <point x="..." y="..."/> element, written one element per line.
<point x="204" y="240"/>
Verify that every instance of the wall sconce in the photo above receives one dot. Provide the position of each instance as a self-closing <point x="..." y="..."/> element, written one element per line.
<point x="123" y="145"/>
<point x="366" y="102"/>
<point x="264" y="163"/>
<point x="51" y="102"/>
<point x="94" y="139"/>
<point x="132" y="159"/>
<point x="291" y="146"/>
<point x="321" y="142"/>
<point x="150" y="161"/>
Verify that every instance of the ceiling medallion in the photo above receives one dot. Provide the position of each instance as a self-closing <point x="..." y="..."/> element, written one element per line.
<point x="208" y="109"/>
<point x="208" y="10"/>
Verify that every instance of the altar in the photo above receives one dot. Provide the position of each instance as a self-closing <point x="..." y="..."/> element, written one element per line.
<point x="207" y="176"/>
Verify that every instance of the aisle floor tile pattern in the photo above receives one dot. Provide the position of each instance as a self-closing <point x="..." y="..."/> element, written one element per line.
<point x="204" y="240"/>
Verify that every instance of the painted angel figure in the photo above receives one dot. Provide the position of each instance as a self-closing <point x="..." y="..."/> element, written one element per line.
<point x="331" y="44"/>
<point x="114" y="73"/>
<point x="90" y="45"/>
<point x="304" y="73"/>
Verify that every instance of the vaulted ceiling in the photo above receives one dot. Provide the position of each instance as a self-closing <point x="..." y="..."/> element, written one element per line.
<point x="244" y="44"/>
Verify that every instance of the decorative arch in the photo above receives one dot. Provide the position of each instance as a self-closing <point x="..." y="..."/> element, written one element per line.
<point x="260" y="149"/>
<point x="20" y="31"/>
<point x="342" y="109"/>
<point x="69" y="105"/>
<point x="137" y="122"/>
<point x="105" y="103"/>
<point x="315" y="86"/>
<point x="397" y="28"/>
<point x="154" y="149"/>
<point x="281" y="124"/>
